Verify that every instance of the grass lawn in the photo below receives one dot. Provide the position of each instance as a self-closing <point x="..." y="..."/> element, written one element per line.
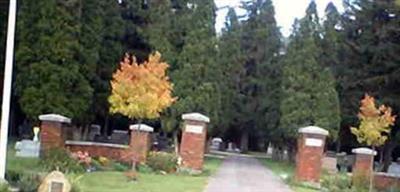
<point x="112" y="181"/>
<point x="117" y="182"/>
<point x="285" y="168"/>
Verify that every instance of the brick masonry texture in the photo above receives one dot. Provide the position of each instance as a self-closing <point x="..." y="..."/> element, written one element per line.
<point x="51" y="135"/>
<point x="193" y="146"/>
<point x="362" y="166"/>
<point x="385" y="182"/>
<point x="119" y="154"/>
<point x="139" y="146"/>
<point x="309" y="159"/>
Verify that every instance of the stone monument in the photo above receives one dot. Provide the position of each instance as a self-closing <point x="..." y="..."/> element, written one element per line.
<point x="55" y="182"/>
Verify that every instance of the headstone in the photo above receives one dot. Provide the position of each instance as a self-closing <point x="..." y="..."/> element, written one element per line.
<point x="27" y="148"/>
<point x="230" y="147"/>
<point x="329" y="164"/>
<point x="216" y="143"/>
<point x="120" y="137"/>
<point x="270" y="150"/>
<point x="94" y="131"/>
<point x="394" y="167"/>
<point x="55" y="182"/>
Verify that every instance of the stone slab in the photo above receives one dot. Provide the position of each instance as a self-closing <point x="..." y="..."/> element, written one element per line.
<point x="55" y="118"/>
<point x="196" y="117"/>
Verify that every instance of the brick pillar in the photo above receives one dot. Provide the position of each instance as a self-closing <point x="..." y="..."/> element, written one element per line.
<point x="140" y="142"/>
<point x="362" y="168"/>
<point x="311" y="143"/>
<point x="193" y="141"/>
<point x="52" y="131"/>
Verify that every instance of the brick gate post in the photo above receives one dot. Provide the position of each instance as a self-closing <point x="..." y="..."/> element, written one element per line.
<point x="193" y="141"/>
<point x="52" y="133"/>
<point x="311" y="143"/>
<point x="362" y="168"/>
<point x="140" y="142"/>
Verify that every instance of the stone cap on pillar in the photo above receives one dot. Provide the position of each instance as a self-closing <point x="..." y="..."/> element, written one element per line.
<point x="314" y="130"/>
<point x="364" y="151"/>
<point x="142" y="127"/>
<point x="196" y="117"/>
<point x="54" y="118"/>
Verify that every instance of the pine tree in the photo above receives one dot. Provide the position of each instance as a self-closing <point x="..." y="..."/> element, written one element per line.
<point x="372" y="47"/>
<point x="231" y="65"/>
<point x="258" y="88"/>
<point x="194" y="77"/>
<point x="308" y="96"/>
<point x="49" y="78"/>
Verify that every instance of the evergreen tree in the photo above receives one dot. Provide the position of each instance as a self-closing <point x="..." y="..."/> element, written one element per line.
<point x="372" y="45"/>
<point x="194" y="76"/>
<point x="258" y="88"/>
<point x="231" y="65"/>
<point x="48" y="73"/>
<point x="308" y="96"/>
<point x="110" y="53"/>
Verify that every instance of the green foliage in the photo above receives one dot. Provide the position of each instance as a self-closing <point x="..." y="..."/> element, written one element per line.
<point x="337" y="183"/>
<point x="144" y="168"/>
<point x="120" y="166"/>
<point x="75" y="182"/>
<point x="60" y="159"/>
<point x="162" y="161"/>
<point x="48" y="74"/>
<point x="29" y="182"/>
<point x="370" y="55"/>
<point x="309" y="95"/>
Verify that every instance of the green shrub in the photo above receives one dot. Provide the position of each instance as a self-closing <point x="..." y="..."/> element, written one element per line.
<point x="162" y="161"/>
<point x="74" y="181"/>
<point x="13" y="176"/>
<point x="117" y="166"/>
<point x="341" y="183"/>
<point x="60" y="159"/>
<point x="29" y="182"/>
<point x="143" y="168"/>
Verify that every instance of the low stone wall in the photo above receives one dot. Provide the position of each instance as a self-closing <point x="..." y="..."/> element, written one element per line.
<point x="385" y="181"/>
<point x="111" y="151"/>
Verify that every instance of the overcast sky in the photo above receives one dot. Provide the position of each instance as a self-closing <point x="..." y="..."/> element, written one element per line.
<point x="286" y="11"/>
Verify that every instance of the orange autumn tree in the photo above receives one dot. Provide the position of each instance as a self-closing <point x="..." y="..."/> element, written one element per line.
<point x="141" y="91"/>
<point x="375" y="125"/>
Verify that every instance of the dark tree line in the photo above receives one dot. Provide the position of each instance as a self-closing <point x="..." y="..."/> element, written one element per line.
<point x="257" y="86"/>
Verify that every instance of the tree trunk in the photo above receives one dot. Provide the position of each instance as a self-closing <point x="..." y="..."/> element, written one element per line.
<point x="371" y="177"/>
<point x="244" y="141"/>
<point x="292" y="153"/>
<point x="106" y="125"/>
<point x="387" y="154"/>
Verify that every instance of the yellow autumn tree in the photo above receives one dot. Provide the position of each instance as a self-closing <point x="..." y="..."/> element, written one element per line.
<point x="375" y="125"/>
<point x="141" y="91"/>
